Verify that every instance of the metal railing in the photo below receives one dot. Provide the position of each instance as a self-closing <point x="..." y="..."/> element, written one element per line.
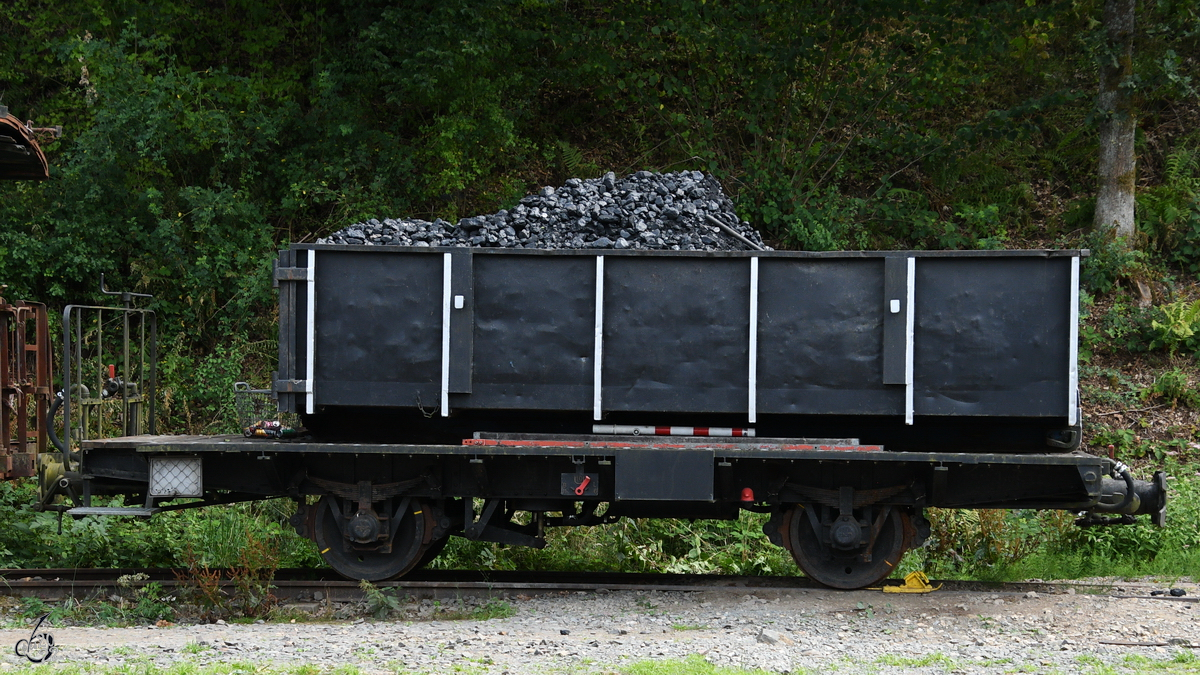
<point x="110" y="370"/>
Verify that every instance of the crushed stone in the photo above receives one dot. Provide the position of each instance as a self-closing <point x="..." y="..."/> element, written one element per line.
<point x="777" y="631"/>
<point x="645" y="210"/>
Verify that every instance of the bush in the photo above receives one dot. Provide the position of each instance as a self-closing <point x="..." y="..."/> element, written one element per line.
<point x="978" y="543"/>
<point x="1112" y="261"/>
<point x="1124" y="327"/>
<point x="1014" y="545"/>
<point x="1172" y="386"/>
<point x="636" y="545"/>
<point x="218" y="533"/>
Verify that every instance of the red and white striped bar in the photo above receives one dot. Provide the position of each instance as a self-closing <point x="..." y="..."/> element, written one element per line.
<point x="632" y="430"/>
<point x="654" y="443"/>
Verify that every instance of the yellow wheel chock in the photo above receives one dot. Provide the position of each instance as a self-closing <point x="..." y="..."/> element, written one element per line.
<point x="915" y="582"/>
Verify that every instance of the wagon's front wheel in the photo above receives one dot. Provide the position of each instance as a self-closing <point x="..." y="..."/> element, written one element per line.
<point x="348" y="543"/>
<point x="847" y="553"/>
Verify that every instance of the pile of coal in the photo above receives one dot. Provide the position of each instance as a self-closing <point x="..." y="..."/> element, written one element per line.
<point x="660" y="211"/>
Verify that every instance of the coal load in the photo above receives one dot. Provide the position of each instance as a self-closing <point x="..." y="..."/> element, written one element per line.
<point x="683" y="211"/>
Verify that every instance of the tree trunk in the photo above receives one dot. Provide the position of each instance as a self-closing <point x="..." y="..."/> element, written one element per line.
<point x="1115" y="200"/>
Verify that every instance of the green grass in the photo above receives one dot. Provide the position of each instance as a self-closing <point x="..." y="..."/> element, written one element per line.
<point x="692" y="665"/>
<point x="492" y="609"/>
<point x="688" y="626"/>
<point x="194" y="648"/>
<point x="1182" y="662"/>
<point x="935" y="659"/>
<point x="186" y="668"/>
<point x="1076" y="564"/>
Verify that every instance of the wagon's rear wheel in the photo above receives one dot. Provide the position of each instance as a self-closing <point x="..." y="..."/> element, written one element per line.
<point x="811" y="537"/>
<point x="409" y="541"/>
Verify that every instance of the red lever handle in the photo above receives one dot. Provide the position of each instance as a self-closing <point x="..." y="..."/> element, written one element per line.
<point x="582" y="486"/>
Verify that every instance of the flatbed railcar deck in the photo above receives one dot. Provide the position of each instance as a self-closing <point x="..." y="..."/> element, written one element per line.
<point x="816" y="450"/>
<point x="588" y="480"/>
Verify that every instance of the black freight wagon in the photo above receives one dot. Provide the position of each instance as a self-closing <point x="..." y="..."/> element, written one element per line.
<point x="841" y="392"/>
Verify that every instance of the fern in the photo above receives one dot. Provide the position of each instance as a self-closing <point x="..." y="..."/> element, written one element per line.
<point x="1170" y="211"/>
<point x="570" y="157"/>
<point x="1179" y="172"/>
<point x="1181" y="319"/>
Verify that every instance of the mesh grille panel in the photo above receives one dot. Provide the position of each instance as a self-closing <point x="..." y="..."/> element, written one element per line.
<point x="176" y="477"/>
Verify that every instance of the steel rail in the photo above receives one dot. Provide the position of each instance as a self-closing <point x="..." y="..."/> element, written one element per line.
<point x="299" y="585"/>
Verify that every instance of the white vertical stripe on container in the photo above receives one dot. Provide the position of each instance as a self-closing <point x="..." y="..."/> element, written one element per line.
<point x="1073" y="342"/>
<point x="908" y="341"/>
<point x="310" y="320"/>
<point x="447" y="261"/>
<point x="753" y="384"/>
<point x="598" y="355"/>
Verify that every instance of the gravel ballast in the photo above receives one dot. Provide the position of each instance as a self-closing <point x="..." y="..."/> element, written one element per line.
<point x="681" y="211"/>
<point x="778" y="631"/>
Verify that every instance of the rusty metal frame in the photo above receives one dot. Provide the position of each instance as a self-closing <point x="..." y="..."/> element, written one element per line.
<point x="21" y="157"/>
<point x="26" y="381"/>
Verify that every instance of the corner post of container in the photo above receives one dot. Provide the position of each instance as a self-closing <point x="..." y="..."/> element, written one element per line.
<point x="310" y="320"/>
<point x="910" y="307"/>
<point x="1073" y="346"/>
<point x="752" y="382"/>
<point x="598" y="336"/>
<point x="447" y="268"/>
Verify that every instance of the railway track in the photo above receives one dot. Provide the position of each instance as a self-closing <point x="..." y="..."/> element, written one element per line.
<point x="300" y="585"/>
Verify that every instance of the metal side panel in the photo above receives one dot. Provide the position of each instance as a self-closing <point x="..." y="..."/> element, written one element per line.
<point x="379" y="329"/>
<point x="991" y="337"/>
<point x="821" y="338"/>
<point x="676" y="334"/>
<point x="533" y="332"/>
<point x="462" y="321"/>
<point x="664" y="475"/>
<point x="990" y="331"/>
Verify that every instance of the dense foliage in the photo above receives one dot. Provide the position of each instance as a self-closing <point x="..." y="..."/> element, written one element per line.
<point x="202" y="135"/>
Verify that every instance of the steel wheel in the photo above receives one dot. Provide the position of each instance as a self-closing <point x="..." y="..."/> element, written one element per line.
<point x="409" y="544"/>
<point x="845" y="569"/>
